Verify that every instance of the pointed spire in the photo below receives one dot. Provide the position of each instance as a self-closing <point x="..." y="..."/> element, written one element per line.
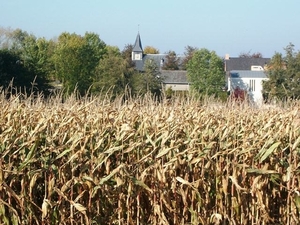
<point x="138" y="44"/>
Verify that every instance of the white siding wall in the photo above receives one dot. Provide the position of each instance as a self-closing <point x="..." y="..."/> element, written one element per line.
<point x="177" y="87"/>
<point x="252" y="85"/>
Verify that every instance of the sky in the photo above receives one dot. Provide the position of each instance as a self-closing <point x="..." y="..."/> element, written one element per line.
<point x="224" y="26"/>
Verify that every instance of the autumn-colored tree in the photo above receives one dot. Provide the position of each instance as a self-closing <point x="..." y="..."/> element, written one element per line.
<point x="150" y="50"/>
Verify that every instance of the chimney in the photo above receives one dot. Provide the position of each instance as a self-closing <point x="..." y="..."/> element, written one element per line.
<point x="227" y="57"/>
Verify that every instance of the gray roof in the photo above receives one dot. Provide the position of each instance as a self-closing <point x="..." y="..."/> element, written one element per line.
<point x="247" y="74"/>
<point x="168" y="76"/>
<point x="138" y="44"/>
<point x="157" y="58"/>
<point x="174" y="76"/>
<point x="139" y="64"/>
<point x="244" y="63"/>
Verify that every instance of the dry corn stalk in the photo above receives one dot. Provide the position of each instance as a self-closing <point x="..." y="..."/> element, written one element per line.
<point x="144" y="162"/>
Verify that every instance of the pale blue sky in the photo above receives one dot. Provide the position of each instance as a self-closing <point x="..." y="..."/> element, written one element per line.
<point x="225" y="26"/>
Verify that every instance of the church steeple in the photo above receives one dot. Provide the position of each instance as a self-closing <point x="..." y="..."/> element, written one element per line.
<point x="138" y="44"/>
<point x="137" y="51"/>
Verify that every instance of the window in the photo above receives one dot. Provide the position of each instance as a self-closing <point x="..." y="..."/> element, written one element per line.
<point x="252" y="85"/>
<point x="137" y="56"/>
<point x="234" y="75"/>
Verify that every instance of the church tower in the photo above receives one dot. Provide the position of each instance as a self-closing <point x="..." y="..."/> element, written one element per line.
<point x="137" y="51"/>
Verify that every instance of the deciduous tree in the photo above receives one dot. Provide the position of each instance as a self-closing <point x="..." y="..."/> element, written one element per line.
<point x="126" y="54"/>
<point x="112" y="73"/>
<point x="283" y="75"/>
<point x="188" y="54"/>
<point x="76" y="58"/>
<point x="151" y="50"/>
<point x="36" y="56"/>
<point x="274" y="86"/>
<point x="249" y="55"/>
<point x="5" y="38"/>
<point x="205" y="72"/>
<point x="171" y="62"/>
<point x="31" y="57"/>
<point x="12" y="71"/>
<point x="149" y="80"/>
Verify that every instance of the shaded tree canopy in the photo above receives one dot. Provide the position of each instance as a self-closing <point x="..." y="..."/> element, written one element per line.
<point x="147" y="81"/>
<point x="127" y="51"/>
<point x="25" y="59"/>
<point x="171" y="62"/>
<point x="13" y="70"/>
<point x="126" y="54"/>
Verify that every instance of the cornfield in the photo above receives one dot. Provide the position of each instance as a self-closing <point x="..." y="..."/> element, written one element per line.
<point x="92" y="161"/>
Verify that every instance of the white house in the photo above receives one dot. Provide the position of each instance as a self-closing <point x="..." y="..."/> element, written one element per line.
<point x="247" y="74"/>
<point x="250" y="81"/>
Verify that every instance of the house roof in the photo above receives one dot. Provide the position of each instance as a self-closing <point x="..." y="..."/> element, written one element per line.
<point x="159" y="59"/>
<point x="139" y="64"/>
<point x="168" y="76"/>
<point x="174" y="76"/>
<point x="247" y="74"/>
<point x="244" y="63"/>
<point x="138" y="44"/>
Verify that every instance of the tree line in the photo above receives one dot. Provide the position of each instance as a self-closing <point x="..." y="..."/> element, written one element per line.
<point x="82" y="63"/>
<point x="86" y="64"/>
